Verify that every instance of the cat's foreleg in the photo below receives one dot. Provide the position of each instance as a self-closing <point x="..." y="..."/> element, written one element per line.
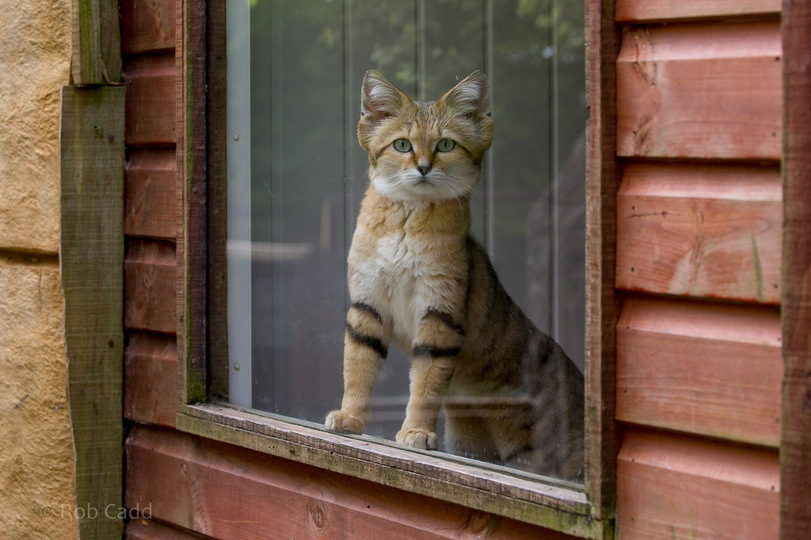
<point x="365" y="349"/>
<point x="434" y="357"/>
<point x="429" y="379"/>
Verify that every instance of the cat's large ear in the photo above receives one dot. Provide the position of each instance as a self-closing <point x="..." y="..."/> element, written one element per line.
<point x="471" y="97"/>
<point x="379" y="98"/>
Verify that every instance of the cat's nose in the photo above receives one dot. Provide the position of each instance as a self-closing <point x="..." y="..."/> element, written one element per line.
<point x="424" y="168"/>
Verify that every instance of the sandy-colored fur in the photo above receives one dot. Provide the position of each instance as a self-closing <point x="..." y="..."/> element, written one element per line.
<point x="417" y="279"/>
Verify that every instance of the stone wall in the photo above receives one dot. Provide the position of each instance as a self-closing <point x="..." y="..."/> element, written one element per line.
<point x="36" y="449"/>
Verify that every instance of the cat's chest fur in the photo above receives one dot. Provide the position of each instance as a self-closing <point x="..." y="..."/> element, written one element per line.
<point x="402" y="258"/>
<point x="400" y="273"/>
<point x="398" y="256"/>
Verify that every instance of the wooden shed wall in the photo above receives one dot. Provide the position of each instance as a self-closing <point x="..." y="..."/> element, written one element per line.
<point x="699" y="255"/>
<point x="699" y="351"/>
<point x="187" y="485"/>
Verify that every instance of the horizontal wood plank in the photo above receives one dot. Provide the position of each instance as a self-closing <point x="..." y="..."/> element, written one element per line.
<point x="147" y="529"/>
<point x="151" y="201"/>
<point x="706" y="369"/>
<point x="150" y="379"/>
<point x="230" y="492"/>
<point x="150" y="82"/>
<point x="668" y="10"/>
<point x="499" y="490"/>
<point x="670" y="486"/>
<point x="700" y="231"/>
<point x="700" y="91"/>
<point x="150" y="270"/>
<point x="147" y="26"/>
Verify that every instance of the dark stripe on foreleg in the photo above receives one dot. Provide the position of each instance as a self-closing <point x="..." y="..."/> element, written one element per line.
<point x="376" y="344"/>
<point x="368" y="309"/>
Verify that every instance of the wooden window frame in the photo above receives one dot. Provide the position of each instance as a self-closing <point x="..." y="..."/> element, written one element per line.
<point x="795" y="425"/>
<point x="585" y="511"/>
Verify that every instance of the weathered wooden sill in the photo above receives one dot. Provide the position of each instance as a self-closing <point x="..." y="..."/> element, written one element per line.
<point x="542" y="501"/>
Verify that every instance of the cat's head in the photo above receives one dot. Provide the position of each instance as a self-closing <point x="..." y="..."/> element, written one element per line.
<point x="425" y="151"/>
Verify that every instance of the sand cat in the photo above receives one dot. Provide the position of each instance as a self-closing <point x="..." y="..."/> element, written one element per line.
<point x="418" y="279"/>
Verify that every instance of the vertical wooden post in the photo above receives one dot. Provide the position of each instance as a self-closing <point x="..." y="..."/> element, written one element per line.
<point x="96" y="43"/>
<point x="602" y="183"/>
<point x="217" y="191"/>
<point x="91" y="255"/>
<point x="192" y="199"/>
<point x="795" y="438"/>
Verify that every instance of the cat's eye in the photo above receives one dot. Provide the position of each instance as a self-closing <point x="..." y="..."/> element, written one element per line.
<point x="445" y="145"/>
<point x="402" y="145"/>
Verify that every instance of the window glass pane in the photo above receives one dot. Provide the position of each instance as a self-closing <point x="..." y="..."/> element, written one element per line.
<point x="297" y="175"/>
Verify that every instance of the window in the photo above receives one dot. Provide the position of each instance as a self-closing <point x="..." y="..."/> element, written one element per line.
<point x="295" y="179"/>
<point x="297" y="175"/>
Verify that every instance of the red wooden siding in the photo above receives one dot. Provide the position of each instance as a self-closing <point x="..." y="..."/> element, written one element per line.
<point x="142" y="529"/>
<point x="149" y="26"/>
<point x="150" y="83"/>
<point x="149" y="274"/>
<point x="700" y="91"/>
<point x="151" y="195"/>
<point x="702" y="231"/>
<point x="678" y="487"/>
<point x="664" y="10"/>
<point x="699" y="259"/>
<point x="150" y="224"/>
<point x="150" y="379"/>
<point x="707" y="369"/>
<point x="228" y="492"/>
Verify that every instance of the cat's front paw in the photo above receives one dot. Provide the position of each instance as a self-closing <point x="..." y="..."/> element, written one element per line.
<point x="417" y="438"/>
<point x="342" y="421"/>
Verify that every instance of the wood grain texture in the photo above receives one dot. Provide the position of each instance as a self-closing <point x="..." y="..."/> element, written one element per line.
<point x="150" y="270"/>
<point x="217" y="203"/>
<point x="705" y="369"/>
<point x="147" y="26"/>
<point x="553" y="504"/>
<point x="192" y="242"/>
<point x="91" y="253"/>
<point x="150" y="379"/>
<point x="795" y="439"/>
<point x="96" y="43"/>
<point x="150" y="82"/>
<point x="700" y="231"/>
<point x="151" y="194"/>
<point x="230" y="492"/>
<point x="602" y="182"/>
<point x="701" y="91"/>
<point x="668" y="10"/>
<point x="670" y="486"/>
<point x="147" y="529"/>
